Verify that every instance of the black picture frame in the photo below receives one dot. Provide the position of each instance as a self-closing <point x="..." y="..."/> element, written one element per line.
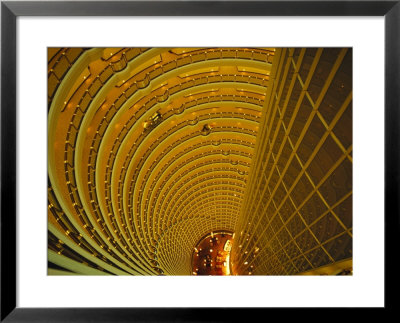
<point x="10" y="10"/>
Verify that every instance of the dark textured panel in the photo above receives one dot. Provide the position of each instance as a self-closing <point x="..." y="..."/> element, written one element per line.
<point x="313" y="208"/>
<point x="338" y="184"/>
<point x="345" y="211"/>
<point x="326" y="228"/>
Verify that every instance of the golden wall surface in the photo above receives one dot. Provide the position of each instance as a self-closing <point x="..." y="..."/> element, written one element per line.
<point x="151" y="149"/>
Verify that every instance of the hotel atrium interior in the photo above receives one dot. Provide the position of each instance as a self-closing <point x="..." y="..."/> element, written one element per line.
<point x="200" y="161"/>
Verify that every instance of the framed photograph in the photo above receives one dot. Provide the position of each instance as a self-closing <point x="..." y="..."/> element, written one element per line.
<point x="198" y="160"/>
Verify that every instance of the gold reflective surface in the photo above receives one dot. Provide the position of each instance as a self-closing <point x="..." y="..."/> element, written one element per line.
<point x="151" y="149"/>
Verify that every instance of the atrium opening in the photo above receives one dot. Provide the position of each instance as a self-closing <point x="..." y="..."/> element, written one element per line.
<point x="200" y="161"/>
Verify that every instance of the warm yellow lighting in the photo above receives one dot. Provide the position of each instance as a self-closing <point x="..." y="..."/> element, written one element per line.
<point x="227" y="267"/>
<point x="228" y="246"/>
